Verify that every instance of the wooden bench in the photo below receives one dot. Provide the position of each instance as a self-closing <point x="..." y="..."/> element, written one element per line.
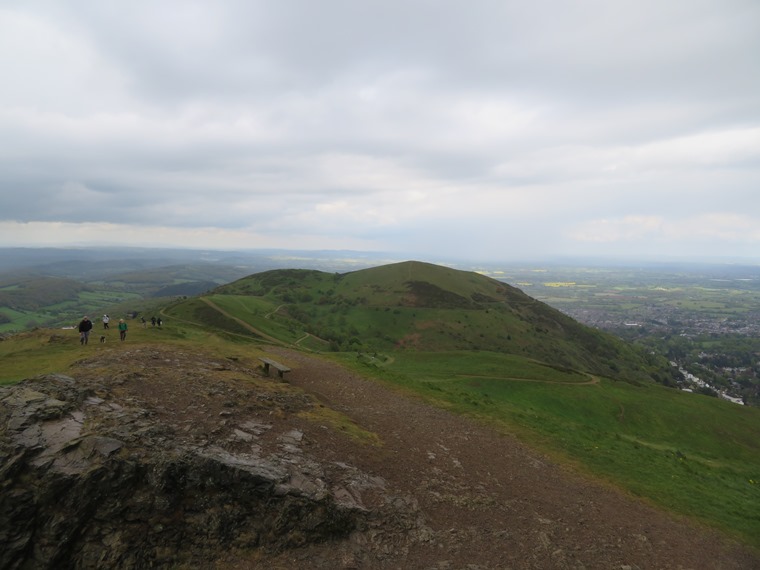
<point x="281" y="368"/>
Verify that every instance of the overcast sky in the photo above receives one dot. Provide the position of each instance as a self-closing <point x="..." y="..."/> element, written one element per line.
<point x="484" y="129"/>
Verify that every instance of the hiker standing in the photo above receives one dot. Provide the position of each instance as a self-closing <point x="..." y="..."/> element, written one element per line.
<point x="122" y="329"/>
<point x="106" y="320"/>
<point x="85" y="326"/>
<point x="153" y="321"/>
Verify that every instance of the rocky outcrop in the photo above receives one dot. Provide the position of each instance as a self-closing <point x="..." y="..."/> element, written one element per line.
<point x="92" y="480"/>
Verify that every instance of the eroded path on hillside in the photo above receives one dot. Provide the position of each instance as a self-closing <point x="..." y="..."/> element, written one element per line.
<point x="485" y="500"/>
<point x="592" y="380"/>
<point x="241" y="322"/>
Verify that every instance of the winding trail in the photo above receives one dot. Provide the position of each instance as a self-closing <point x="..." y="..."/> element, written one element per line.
<point x="309" y="335"/>
<point x="269" y="314"/>
<point x="591" y="381"/>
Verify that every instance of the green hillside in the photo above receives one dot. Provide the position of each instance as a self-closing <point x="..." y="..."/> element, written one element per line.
<point x="29" y="292"/>
<point x="502" y="358"/>
<point x="30" y="299"/>
<point x="422" y="307"/>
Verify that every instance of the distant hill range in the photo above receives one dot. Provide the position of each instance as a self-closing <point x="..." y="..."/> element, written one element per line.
<point x="425" y="307"/>
<point x="56" y="286"/>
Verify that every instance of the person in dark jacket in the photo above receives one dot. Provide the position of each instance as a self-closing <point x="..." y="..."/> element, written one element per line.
<point x="85" y="326"/>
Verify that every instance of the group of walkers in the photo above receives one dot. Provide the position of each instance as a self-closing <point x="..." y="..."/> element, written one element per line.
<point x="85" y="327"/>
<point x="153" y="322"/>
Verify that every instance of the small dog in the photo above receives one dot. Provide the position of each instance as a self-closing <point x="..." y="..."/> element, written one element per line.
<point x="102" y="339"/>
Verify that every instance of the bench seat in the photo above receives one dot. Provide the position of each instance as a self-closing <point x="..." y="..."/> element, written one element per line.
<point x="281" y="368"/>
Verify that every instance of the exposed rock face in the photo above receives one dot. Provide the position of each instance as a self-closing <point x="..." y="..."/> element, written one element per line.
<point x="88" y="481"/>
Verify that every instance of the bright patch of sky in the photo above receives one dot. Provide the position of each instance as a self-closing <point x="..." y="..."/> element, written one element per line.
<point x="490" y="129"/>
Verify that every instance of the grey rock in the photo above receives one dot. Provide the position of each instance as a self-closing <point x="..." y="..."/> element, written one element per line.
<point x="83" y="485"/>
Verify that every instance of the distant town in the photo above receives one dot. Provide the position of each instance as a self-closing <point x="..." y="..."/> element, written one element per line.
<point x="704" y="318"/>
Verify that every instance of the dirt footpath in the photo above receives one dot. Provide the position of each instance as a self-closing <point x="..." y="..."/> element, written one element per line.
<point x="476" y="499"/>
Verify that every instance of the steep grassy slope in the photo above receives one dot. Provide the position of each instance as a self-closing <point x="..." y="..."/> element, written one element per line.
<point x="424" y="307"/>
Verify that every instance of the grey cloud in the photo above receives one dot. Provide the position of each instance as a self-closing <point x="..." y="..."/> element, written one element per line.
<point x="191" y="114"/>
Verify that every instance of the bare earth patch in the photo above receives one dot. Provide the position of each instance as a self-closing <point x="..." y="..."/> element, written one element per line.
<point x="440" y="491"/>
<point x="488" y="501"/>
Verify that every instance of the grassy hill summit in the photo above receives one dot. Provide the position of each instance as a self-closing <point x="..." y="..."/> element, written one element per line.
<point x="416" y="306"/>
